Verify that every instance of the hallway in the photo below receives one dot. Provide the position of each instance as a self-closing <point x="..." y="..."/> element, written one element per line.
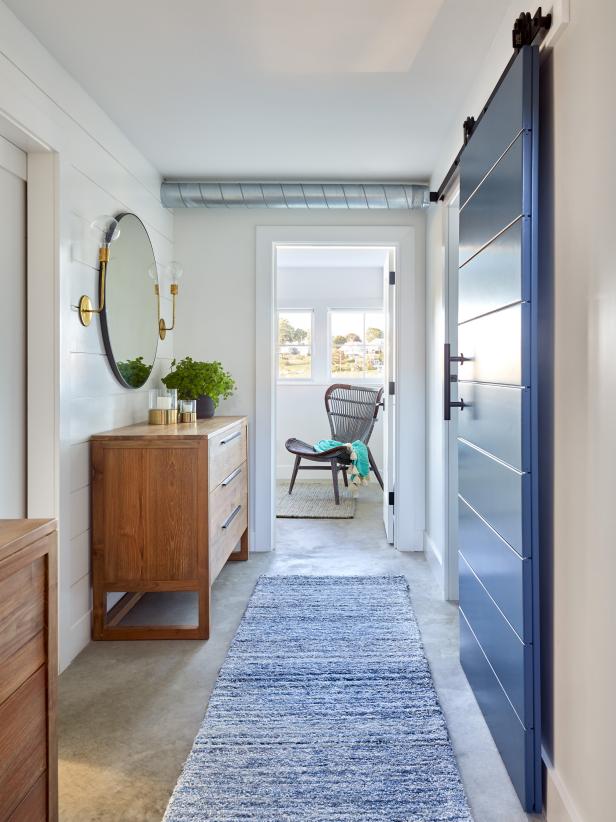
<point x="129" y="710"/>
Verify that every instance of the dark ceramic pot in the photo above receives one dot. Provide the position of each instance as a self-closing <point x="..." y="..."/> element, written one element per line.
<point x="205" y="407"/>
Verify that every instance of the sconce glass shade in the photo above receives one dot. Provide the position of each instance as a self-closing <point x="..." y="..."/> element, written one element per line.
<point x="107" y="228"/>
<point x="175" y="272"/>
<point x="169" y="272"/>
<point x="153" y="273"/>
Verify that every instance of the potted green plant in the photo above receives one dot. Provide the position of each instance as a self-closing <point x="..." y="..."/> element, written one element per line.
<point x="205" y="382"/>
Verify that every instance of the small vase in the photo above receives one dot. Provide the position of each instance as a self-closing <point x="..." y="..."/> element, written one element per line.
<point x="188" y="411"/>
<point x="205" y="407"/>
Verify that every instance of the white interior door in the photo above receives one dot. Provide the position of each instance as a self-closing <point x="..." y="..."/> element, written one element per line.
<point x="12" y="331"/>
<point x="389" y="430"/>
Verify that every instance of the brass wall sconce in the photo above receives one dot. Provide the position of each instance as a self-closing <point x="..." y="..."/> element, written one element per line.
<point x="109" y="229"/>
<point x="173" y="272"/>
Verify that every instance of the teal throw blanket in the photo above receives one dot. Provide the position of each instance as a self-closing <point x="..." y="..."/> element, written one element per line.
<point x="358" y="452"/>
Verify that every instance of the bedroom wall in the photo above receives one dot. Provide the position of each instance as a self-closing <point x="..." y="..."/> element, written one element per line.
<point x="97" y="171"/>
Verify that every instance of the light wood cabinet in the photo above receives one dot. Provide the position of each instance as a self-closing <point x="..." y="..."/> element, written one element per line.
<point x="169" y="509"/>
<point x="28" y="671"/>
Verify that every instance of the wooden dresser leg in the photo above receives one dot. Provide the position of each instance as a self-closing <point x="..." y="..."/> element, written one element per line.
<point x="99" y="608"/>
<point x="204" y="612"/>
<point x="242" y="554"/>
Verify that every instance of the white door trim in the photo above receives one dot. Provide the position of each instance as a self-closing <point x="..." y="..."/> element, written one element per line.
<point x="42" y="315"/>
<point x="389" y="414"/>
<point x="43" y="324"/>
<point x="410" y="346"/>
<point x="450" y="432"/>
<point x="13" y="159"/>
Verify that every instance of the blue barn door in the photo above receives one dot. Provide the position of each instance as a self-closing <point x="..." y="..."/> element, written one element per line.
<point x="497" y="425"/>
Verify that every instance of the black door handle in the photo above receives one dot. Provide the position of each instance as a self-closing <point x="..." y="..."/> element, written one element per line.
<point x="448" y="379"/>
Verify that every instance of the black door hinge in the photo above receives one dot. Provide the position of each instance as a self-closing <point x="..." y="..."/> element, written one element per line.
<point x="390" y="498"/>
<point x="392" y="277"/>
<point x="391" y="389"/>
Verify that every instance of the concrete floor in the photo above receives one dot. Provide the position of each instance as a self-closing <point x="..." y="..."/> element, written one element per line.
<point x="129" y="710"/>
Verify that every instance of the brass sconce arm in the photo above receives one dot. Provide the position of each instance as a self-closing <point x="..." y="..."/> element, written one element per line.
<point x="162" y="325"/>
<point x="85" y="307"/>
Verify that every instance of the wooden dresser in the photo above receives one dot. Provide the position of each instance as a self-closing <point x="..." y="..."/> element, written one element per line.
<point x="169" y="508"/>
<point x="28" y="671"/>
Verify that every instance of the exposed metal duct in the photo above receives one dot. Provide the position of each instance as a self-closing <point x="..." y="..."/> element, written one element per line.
<point x="293" y="195"/>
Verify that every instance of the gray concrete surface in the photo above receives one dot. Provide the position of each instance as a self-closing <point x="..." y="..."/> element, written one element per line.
<point x="129" y="710"/>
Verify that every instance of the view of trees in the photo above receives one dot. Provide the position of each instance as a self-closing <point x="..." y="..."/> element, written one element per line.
<point x="354" y="357"/>
<point x="294" y="354"/>
<point x="288" y="334"/>
<point x="357" y="353"/>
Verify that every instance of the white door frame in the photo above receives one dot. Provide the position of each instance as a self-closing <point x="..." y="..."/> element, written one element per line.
<point x="42" y="321"/>
<point x="410" y="347"/>
<point x="388" y="469"/>
<point x="450" y="433"/>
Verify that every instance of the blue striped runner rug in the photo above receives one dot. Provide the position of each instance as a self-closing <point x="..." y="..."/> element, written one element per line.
<point x="324" y="711"/>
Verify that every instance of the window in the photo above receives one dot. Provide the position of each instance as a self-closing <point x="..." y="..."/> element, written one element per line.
<point x="357" y="341"/>
<point x="294" y="345"/>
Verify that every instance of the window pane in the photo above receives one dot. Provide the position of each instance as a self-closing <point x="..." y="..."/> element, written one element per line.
<point x="375" y="342"/>
<point x="347" y="343"/>
<point x="357" y="340"/>
<point x="295" y="345"/>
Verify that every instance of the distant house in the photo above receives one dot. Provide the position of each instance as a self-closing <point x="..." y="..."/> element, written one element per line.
<point x="357" y="349"/>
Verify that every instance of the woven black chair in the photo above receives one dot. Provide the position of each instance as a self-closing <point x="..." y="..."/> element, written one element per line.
<point x="352" y="412"/>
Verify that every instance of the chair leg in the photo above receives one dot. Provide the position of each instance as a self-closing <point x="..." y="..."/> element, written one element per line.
<point x="334" y="463"/>
<point x="375" y="469"/>
<point x="294" y="474"/>
<point x="345" y="477"/>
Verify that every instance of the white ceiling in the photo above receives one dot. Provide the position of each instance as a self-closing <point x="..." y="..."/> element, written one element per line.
<point x="271" y="89"/>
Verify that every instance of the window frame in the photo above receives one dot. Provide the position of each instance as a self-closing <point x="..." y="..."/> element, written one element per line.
<point x="295" y="380"/>
<point x="363" y="380"/>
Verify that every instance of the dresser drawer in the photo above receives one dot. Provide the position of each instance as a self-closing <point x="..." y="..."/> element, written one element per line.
<point x="228" y="517"/>
<point x="22" y="623"/>
<point x="23" y="741"/>
<point x="33" y="808"/>
<point x="227" y="451"/>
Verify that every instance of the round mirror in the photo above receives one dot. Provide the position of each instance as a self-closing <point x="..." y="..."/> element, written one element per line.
<point x="130" y="317"/>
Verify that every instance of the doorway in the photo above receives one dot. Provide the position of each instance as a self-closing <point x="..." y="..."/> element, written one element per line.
<point x="13" y="477"/>
<point x="405" y="477"/>
<point x="334" y="361"/>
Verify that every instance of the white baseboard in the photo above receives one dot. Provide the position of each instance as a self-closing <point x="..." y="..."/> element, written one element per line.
<point x="559" y="805"/>
<point x="415" y="543"/>
<point x="78" y="637"/>
<point x="434" y="557"/>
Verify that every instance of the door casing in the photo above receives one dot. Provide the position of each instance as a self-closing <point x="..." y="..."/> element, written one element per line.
<point x="450" y="432"/>
<point x="410" y="345"/>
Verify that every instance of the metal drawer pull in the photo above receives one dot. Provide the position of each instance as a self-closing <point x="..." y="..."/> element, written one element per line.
<point x="231" y="517"/>
<point x="231" y="477"/>
<point x="232" y="437"/>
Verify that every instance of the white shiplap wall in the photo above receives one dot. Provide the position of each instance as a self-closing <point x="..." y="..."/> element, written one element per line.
<point x="98" y="172"/>
<point x="95" y="401"/>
